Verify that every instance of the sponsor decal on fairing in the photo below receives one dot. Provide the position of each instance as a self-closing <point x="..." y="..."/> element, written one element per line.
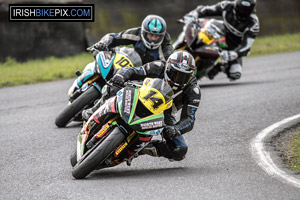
<point x="128" y="97"/>
<point x="150" y="125"/>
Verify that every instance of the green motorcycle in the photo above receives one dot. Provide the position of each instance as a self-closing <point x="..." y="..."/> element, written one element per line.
<point x="122" y="126"/>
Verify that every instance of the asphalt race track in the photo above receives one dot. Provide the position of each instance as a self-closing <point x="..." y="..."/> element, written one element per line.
<point x="34" y="153"/>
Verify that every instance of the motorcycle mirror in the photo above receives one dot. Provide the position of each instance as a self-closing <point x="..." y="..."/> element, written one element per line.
<point x="180" y="21"/>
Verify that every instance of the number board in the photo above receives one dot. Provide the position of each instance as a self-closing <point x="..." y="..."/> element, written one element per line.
<point x="122" y="61"/>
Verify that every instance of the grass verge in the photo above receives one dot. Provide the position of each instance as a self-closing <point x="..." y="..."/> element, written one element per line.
<point x="292" y="155"/>
<point x="276" y="44"/>
<point x="14" y="73"/>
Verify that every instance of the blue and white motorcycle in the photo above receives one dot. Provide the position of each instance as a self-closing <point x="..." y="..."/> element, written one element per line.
<point x="87" y="88"/>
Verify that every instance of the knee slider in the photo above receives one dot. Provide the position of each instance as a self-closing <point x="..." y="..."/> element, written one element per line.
<point x="235" y="71"/>
<point x="234" y="76"/>
<point x="179" y="153"/>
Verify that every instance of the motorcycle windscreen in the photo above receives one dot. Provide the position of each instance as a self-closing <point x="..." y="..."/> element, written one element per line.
<point x="190" y="34"/>
<point x="213" y="32"/>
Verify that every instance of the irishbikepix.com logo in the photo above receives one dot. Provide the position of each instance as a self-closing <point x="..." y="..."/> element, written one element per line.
<point x="51" y="12"/>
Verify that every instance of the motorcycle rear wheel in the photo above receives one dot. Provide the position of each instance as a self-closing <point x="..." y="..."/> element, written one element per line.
<point x="98" y="155"/>
<point x="77" y="106"/>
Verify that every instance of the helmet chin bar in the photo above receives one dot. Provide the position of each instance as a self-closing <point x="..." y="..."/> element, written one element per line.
<point x="151" y="45"/>
<point x="174" y="86"/>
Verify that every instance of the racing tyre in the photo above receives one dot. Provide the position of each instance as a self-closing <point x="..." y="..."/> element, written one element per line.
<point x="98" y="154"/>
<point x="73" y="158"/>
<point x="76" y="106"/>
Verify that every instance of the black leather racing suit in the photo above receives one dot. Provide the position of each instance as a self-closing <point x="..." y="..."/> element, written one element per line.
<point x="187" y="99"/>
<point x="240" y="34"/>
<point x="133" y="36"/>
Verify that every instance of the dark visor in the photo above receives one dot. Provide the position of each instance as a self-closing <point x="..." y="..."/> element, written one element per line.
<point x="244" y="11"/>
<point x="178" y="77"/>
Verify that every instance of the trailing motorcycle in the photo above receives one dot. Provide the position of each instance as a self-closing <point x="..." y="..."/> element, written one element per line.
<point x="87" y="88"/>
<point x="122" y="126"/>
<point x="204" y="39"/>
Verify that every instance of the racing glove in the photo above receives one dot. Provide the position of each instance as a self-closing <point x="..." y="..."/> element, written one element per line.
<point x="118" y="79"/>
<point x="191" y="16"/>
<point x="228" y="55"/>
<point x="101" y="46"/>
<point x="171" y="132"/>
<point x="188" y="19"/>
<point x="97" y="47"/>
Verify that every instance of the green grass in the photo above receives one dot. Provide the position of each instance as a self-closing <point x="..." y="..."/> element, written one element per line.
<point x="14" y="73"/>
<point x="276" y="44"/>
<point x="293" y="154"/>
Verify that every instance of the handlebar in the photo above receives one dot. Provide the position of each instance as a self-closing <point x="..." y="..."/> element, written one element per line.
<point x="92" y="48"/>
<point x="110" y="84"/>
<point x="127" y="83"/>
<point x="180" y="21"/>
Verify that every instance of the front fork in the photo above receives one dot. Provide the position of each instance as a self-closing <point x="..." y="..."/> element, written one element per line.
<point x="75" y="91"/>
<point x="84" y="79"/>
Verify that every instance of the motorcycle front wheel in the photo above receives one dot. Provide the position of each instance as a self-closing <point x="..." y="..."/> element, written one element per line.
<point x="73" y="158"/>
<point x="99" y="154"/>
<point x="86" y="98"/>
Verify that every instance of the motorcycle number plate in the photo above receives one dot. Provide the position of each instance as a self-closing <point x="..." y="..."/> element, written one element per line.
<point x="206" y="37"/>
<point x="122" y="61"/>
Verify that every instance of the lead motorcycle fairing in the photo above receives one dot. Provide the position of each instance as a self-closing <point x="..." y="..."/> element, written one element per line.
<point x="122" y="126"/>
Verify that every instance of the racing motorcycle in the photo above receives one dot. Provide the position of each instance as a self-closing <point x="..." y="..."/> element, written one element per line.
<point x="204" y="39"/>
<point x="122" y="126"/>
<point x="87" y="88"/>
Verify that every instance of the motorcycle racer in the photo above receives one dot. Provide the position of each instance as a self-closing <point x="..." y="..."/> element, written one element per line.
<point x="242" y="27"/>
<point x="179" y="72"/>
<point x="151" y="40"/>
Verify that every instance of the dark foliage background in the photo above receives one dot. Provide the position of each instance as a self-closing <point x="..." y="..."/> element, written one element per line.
<point x="27" y="40"/>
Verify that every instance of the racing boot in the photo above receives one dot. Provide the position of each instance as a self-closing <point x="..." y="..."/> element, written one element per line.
<point x="159" y="148"/>
<point x="213" y="72"/>
<point x="86" y="114"/>
<point x="150" y="150"/>
<point x="110" y="91"/>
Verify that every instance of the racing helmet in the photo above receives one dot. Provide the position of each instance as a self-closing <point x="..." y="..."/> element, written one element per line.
<point x="154" y="25"/>
<point x="180" y="69"/>
<point x="244" y="8"/>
